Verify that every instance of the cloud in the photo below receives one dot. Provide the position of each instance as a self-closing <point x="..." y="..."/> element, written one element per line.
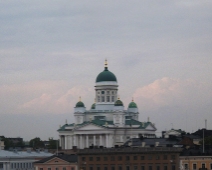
<point x="172" y="92"/>
<point x="41" y="97"/>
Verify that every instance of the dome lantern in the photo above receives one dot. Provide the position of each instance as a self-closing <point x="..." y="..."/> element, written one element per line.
<point x="106" y="75"/>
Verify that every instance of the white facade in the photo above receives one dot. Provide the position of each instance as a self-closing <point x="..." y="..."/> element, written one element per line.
<point x="107" y="123"/>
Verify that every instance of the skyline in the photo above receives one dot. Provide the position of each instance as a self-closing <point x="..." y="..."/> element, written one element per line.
<point x="51" y="53"/>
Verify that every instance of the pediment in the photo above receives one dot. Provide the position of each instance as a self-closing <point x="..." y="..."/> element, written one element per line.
<point x="90" y="126"/>
<point x="56" y="160"/>
<point x="172" y="132"/>
<point x="150" y="127"/>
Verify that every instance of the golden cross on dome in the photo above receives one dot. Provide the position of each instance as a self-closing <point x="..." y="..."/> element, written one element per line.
<point x="106" y="63"/>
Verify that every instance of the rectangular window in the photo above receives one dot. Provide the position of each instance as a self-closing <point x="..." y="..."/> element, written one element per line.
<point x="83" y="158"/>
<point x="108" y="92"/>
<point x="203" y="165"/>
<point x="165" y="157"/>
<point x="108" y="98"/>
<point x="157" y="157"/>
<point x="211" y="166"/>
<point x="165" y="167"/>
<point x="135" y="167"/>
<point x="127" y="158"/>
<point x="186" y="166"/>
<point x="135" y="157"/>
<point x="113" y="98"/>
<point x="103" y="92"/>
<point x="56" y="168"/>
<point x="142" y="167"/>
<point x="105" y="158"/>
<point x="49" y="168"/>
<point x="90" y="158"/>
<point x="150" y="157"/>
<point x="64" y="168"/>
<point x="98" y="98"/>
<point x="195" y="166"/>
<point x="41" y="168"/>
<point x="150" y="167"/>
<point x="173" y="167"/>
<point x="105" y="168"/>
<point x="142" y="157"/>
<point x="72" y="168"/>
<point x="113" y="167"/>
<point x="127" y="167"/>
<point x="112" y="158"/>
<point x="120" y="158"/>
<point x="173" y="157"/>
<point x="103" y="98"/>
<point x="91" y="168"/>
<point x="97" y="158"/>
<point x="158" y="167"/>
<point x="98" y="168"/>
<point x="120" y="167"/>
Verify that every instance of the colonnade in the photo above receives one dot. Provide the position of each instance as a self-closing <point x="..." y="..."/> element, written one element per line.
<point x="85" y="141"/>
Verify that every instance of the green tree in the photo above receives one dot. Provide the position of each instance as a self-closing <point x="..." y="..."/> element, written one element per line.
<point x="36" y="143"/>
<point x="7" y="143"/>
<point x="52" y="143"/>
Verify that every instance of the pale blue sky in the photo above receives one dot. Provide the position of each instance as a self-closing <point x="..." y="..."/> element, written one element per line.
<point x="51" y="52"/>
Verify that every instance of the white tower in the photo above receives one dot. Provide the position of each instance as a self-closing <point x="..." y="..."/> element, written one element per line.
<point x="106" y="89"/>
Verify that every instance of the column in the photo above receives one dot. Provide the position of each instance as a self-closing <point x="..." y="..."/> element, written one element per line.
<point x="94" y="140"/>
<point x="110" y="141"/>
<point x="68" y="143"/>
<point x="81" y="144"/>
<point x="65" y="142"/>
<point x="75" y="142"/>
<point x="71" y="142"/>
<point x="60" y="141"/>
<point x="100" y="140"/>
<point x="87" y="142"/>
<point x="106" y="140"/>
<point x="121" y="139"/>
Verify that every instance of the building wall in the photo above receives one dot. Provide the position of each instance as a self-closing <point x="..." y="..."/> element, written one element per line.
<point x="54" y="166"/>
<point x="189" y="162"/>
<point x="128" y="159"/>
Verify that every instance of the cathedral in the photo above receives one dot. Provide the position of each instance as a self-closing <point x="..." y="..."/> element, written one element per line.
<point x="107" y="123"/>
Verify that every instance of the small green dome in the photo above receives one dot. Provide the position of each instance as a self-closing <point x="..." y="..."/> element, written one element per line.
<point x="118" y="103"/>
<point x="93" y="106"/>
<point x="132" y="105"/>
<point x="106" y="75"/>
<point x="80" y="104"/>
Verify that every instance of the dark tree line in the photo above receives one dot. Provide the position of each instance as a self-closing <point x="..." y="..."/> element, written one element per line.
<point x="35" y="143"/>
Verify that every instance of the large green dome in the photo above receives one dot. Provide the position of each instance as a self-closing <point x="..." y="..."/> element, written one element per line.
<point x="118" y="103"/>
<point x="80" y="104"/>
<point x="132" y="105"/>
<point x="106" y="75"/>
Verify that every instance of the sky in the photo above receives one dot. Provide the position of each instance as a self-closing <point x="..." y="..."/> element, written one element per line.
<point x="52" y="51"/>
